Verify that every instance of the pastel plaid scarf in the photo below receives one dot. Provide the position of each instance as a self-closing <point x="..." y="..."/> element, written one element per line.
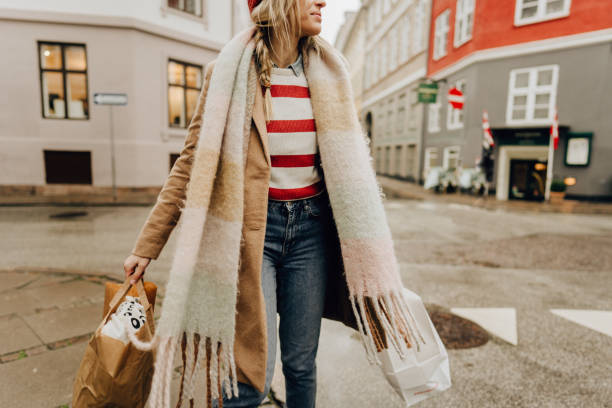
<point x="199" y="307"/>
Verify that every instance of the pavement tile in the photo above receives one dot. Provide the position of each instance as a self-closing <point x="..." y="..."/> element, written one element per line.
<point x="12" y="280"/>
<point x="54" y="325"/>
<point x="44" y="380"/>
<point x="26" y="301"/>
<point x="16" y="335"/>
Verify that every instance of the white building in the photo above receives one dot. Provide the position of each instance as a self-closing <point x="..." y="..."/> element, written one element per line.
<point x="57" y="55"/>
<point x="395" y="63"/>
<point x="351" y="40"/>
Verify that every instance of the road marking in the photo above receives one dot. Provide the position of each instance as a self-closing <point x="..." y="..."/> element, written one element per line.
<point x="598" y="320"/>
<point x="500" y="321"/>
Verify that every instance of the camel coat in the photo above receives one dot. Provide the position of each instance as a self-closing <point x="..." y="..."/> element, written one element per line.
<point x="250" y="347"/>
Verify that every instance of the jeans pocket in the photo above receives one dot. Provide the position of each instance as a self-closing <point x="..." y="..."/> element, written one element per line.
<point x="313" y="211"/>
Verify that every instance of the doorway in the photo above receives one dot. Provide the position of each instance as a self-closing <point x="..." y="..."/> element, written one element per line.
<point x="527" y="180"/>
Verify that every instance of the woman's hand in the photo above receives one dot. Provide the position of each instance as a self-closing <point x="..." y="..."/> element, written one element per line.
<point x="135" y="266"/>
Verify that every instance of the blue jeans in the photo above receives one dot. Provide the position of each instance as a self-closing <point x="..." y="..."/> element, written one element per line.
<point x="294" y="276"/>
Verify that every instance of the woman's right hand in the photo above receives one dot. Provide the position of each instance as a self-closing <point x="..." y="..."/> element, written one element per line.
<point x="135" y="266"/>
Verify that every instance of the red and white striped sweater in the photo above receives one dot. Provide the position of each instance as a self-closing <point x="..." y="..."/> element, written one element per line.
<point x="292" y="138"/>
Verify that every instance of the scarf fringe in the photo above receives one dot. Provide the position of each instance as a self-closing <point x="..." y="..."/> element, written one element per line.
<point x="395" y="320"/>
<point x="213" y="357"/>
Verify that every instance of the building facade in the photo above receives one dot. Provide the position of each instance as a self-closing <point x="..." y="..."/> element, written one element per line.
<point x="350" y="41"/>
<point x="395" y="63"/>
<point x="58" y="55"/>
<point x="522" y="61"/>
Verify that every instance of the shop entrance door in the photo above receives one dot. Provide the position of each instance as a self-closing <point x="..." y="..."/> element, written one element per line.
<point x="527" y="180"/>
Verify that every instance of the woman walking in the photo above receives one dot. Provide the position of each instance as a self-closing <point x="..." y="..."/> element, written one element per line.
<point x="280" y="213"/>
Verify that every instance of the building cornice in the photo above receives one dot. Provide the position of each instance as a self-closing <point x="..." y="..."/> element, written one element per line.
<point x="415" y="76"/>
<point x="52" y="17"/>
<point x="532" y="47"/>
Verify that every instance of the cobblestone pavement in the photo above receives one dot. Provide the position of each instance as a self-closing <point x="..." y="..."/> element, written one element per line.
<point x="453" y="254"/>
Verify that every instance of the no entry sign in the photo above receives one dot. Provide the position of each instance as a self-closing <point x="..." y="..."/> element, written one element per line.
<point x="455" y="98"/>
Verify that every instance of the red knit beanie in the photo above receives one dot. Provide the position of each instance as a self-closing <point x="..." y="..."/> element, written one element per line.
<point x="253" y="4"/>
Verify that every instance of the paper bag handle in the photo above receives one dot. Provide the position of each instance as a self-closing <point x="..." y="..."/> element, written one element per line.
<point x="142" y="296"/>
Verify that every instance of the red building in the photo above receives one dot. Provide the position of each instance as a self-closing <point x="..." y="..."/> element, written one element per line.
<point x="519" y="60"/>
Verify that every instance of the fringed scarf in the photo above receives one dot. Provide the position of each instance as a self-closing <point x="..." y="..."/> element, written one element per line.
<point x="199" y="306"/>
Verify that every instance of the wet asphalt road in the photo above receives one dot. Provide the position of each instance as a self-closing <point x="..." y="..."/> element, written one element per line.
<point x="453" y="256"/>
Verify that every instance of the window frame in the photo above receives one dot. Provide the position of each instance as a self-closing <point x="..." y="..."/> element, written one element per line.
<point x="427" y="157"/>
<point x="419" y="36"/>
<point x="185" y="88"/>
<point x="540" y="15"/>
<point x="461" y="16"/>
<point x="64" y="71"/>
<point x="441" y="31"/>
<point x="434" y="127"/>
<point x="446" y="156"/>
<point x="183" y="11"/>
<point x="452" y="114"/>
<point x="530" y="93"/>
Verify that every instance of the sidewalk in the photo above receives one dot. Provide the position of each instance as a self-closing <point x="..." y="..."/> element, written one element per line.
<point x="405" y="189"/>
<point x="48" y="316"/>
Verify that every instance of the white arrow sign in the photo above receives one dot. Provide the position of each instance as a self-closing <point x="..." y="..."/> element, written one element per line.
<point x="110" y="99"/>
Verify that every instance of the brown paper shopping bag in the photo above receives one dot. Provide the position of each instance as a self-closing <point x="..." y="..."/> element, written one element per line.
<point x="114" y="374"/>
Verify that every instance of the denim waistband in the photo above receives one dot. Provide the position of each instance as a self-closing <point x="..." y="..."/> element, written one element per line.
<point x="320" y="200"/>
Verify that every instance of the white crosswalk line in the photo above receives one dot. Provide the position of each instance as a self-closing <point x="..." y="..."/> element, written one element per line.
<point x="598" y="320"/>
<point x="500" y="321"/>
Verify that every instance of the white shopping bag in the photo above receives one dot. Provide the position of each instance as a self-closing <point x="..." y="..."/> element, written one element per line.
<point x="423" y="373"/>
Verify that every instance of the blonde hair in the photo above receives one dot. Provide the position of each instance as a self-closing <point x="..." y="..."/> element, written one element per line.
<point x="280" y="19"/>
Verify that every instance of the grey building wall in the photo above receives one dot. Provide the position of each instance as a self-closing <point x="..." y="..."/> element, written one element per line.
<point x="584" y="100"/>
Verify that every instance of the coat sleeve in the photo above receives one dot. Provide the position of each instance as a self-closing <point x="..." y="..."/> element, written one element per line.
<point x="166" y="212"/>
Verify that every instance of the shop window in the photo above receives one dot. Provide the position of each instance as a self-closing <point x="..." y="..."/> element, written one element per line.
<point x="532" y="94"/>
<point x="67" y="167"/>
<point x="63" y="80"/>
<point x="464" y="20"/>
<point x="441" y="35"/>
<point x="184" y="85"/>
<point x="535" y="11"/>
<point x="193" y="7"/>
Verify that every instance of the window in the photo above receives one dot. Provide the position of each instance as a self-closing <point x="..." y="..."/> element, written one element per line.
<point x="184" y="84"/>
<point x="454" y="117"/>
<point x="188" y="6"/>
<point x="379" y="159"/>
<point x="405" y="40"/>
<point x="63" y="77"/>
<point x="433" y="122"/>
<point x="386" y="5"/>
<point x="379" y="124"/>
<point x="431" y="159"/>
<point x="421" y="17"/>
<point x="371" y="17"/>
<point x="173" y="158"/>
<point x="389" y="119"/>
<point x="532" y="94"/>
<point x="451" y="157"/>
<point x="464" y="20"/>
<point x="441" y="35"/>
<point x="383" y="58"/>
<point x="67" y="167"/>
<point x="393" y="48"/>
<point x="401" y="115"/>
<point x="534" y="11"/>
<point x="387" y="169"/>
<point x="379" y="11"/>
<point x="398" y="160"/>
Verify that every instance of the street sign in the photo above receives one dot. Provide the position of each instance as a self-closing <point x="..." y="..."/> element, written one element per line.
<point x="110" y="99"/>
<point x="455" y="98"/>
<point x="427" y="92"/>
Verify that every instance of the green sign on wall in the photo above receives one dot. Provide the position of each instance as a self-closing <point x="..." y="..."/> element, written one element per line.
<point x="428" y="92"/>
